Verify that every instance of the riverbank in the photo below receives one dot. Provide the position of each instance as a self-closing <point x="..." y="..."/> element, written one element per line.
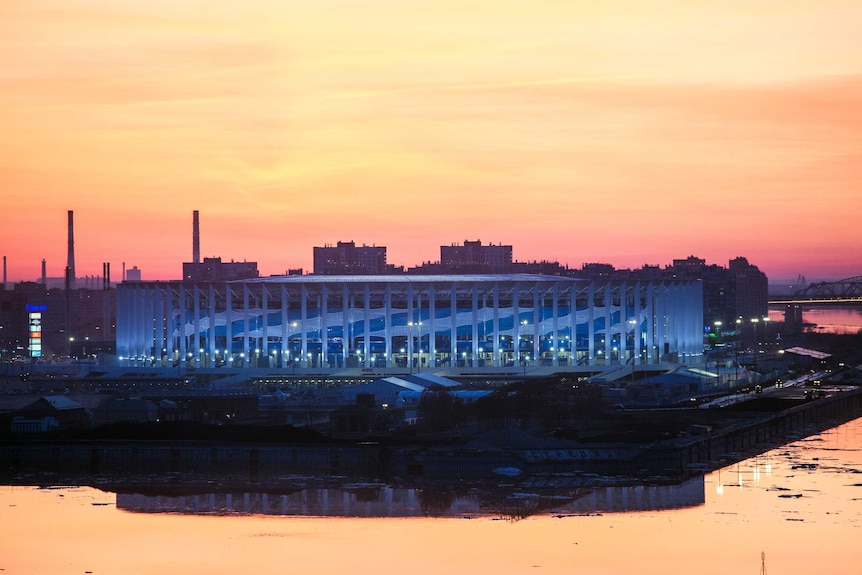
<point x="735" y="435"/>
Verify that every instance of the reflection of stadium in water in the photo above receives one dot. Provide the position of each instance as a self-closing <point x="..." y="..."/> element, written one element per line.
<point x="380" y="500"/>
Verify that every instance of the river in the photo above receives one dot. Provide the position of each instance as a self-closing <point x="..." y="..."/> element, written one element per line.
<point x="841" y="319"/>
<point x="800" y="504"/>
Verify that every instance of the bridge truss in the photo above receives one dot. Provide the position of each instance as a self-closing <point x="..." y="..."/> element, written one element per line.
<point x="842" y="289"/>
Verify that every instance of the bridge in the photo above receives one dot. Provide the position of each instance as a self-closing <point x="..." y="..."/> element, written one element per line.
<point x="846" y="291"/>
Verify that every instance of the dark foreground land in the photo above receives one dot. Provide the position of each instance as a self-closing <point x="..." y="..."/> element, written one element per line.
<point x="518" y="417"/>
<point x="636" y="446"/>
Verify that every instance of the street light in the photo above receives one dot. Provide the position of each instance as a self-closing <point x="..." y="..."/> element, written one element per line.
<point x="410" y="325"/>
<point x="754" y="322"/>
<point x="522" y="337"/>
<point x="624" y="345"/>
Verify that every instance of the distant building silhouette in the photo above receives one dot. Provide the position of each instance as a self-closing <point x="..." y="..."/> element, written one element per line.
<point x="597" y="271"/>
<point x="211" y="269"/>
<point x="348" y="258"/>
<point x="80" y="320"/>
<point x="476" y="258"/>
<point x="732" y="295"/>
<point x="750" y="289"/>
<point x="545" y="268"/>
<point x="133" y="274"/>
<point x="214" y="270"/>
<point x="472" y="257"/>
<point x="738" y="292"/>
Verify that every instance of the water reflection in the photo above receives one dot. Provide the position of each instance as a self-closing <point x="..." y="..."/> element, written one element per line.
<point x="381" y="500"/>
<point x="845" y="321"/>
<point x="801" y="504"/>
<point x="826" y="319"/>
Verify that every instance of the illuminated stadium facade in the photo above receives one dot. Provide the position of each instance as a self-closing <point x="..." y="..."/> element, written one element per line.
<point x="402" y="321"/>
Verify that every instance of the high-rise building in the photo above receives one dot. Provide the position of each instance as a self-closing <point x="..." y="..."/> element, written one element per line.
<point x="738" y="292"/>
<point x="733" y="296"/>
<point x="348" y="258"/>
<point x="750" y="289"/>
<point x="475" y="258"/>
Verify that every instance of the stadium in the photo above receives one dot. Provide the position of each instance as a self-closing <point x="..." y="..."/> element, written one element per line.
<point x="409" y="322"/>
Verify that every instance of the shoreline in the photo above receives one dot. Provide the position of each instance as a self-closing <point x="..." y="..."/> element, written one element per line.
<point x="275" y="464"/>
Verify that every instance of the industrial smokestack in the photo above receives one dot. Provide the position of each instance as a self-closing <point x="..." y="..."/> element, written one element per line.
<point x="4" y="272"/>
<point x="44" y="272"/>
<point x="196" y="238"/>
<point x="70" y="260"/>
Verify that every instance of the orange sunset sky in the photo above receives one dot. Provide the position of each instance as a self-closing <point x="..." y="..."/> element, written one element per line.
<point x="621" y="132"/>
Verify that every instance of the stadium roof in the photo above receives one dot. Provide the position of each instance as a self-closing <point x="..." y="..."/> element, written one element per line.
<point x="409" y="278"/>
<point x="421" y="382"/>
<point x="808" y="352"/>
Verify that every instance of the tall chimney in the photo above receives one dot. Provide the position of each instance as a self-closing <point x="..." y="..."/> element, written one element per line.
<point x="70" y="260"/>
<point x="196" y="238"/>
<point x="4" y="272"/>
<point x="44" y="273"/>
